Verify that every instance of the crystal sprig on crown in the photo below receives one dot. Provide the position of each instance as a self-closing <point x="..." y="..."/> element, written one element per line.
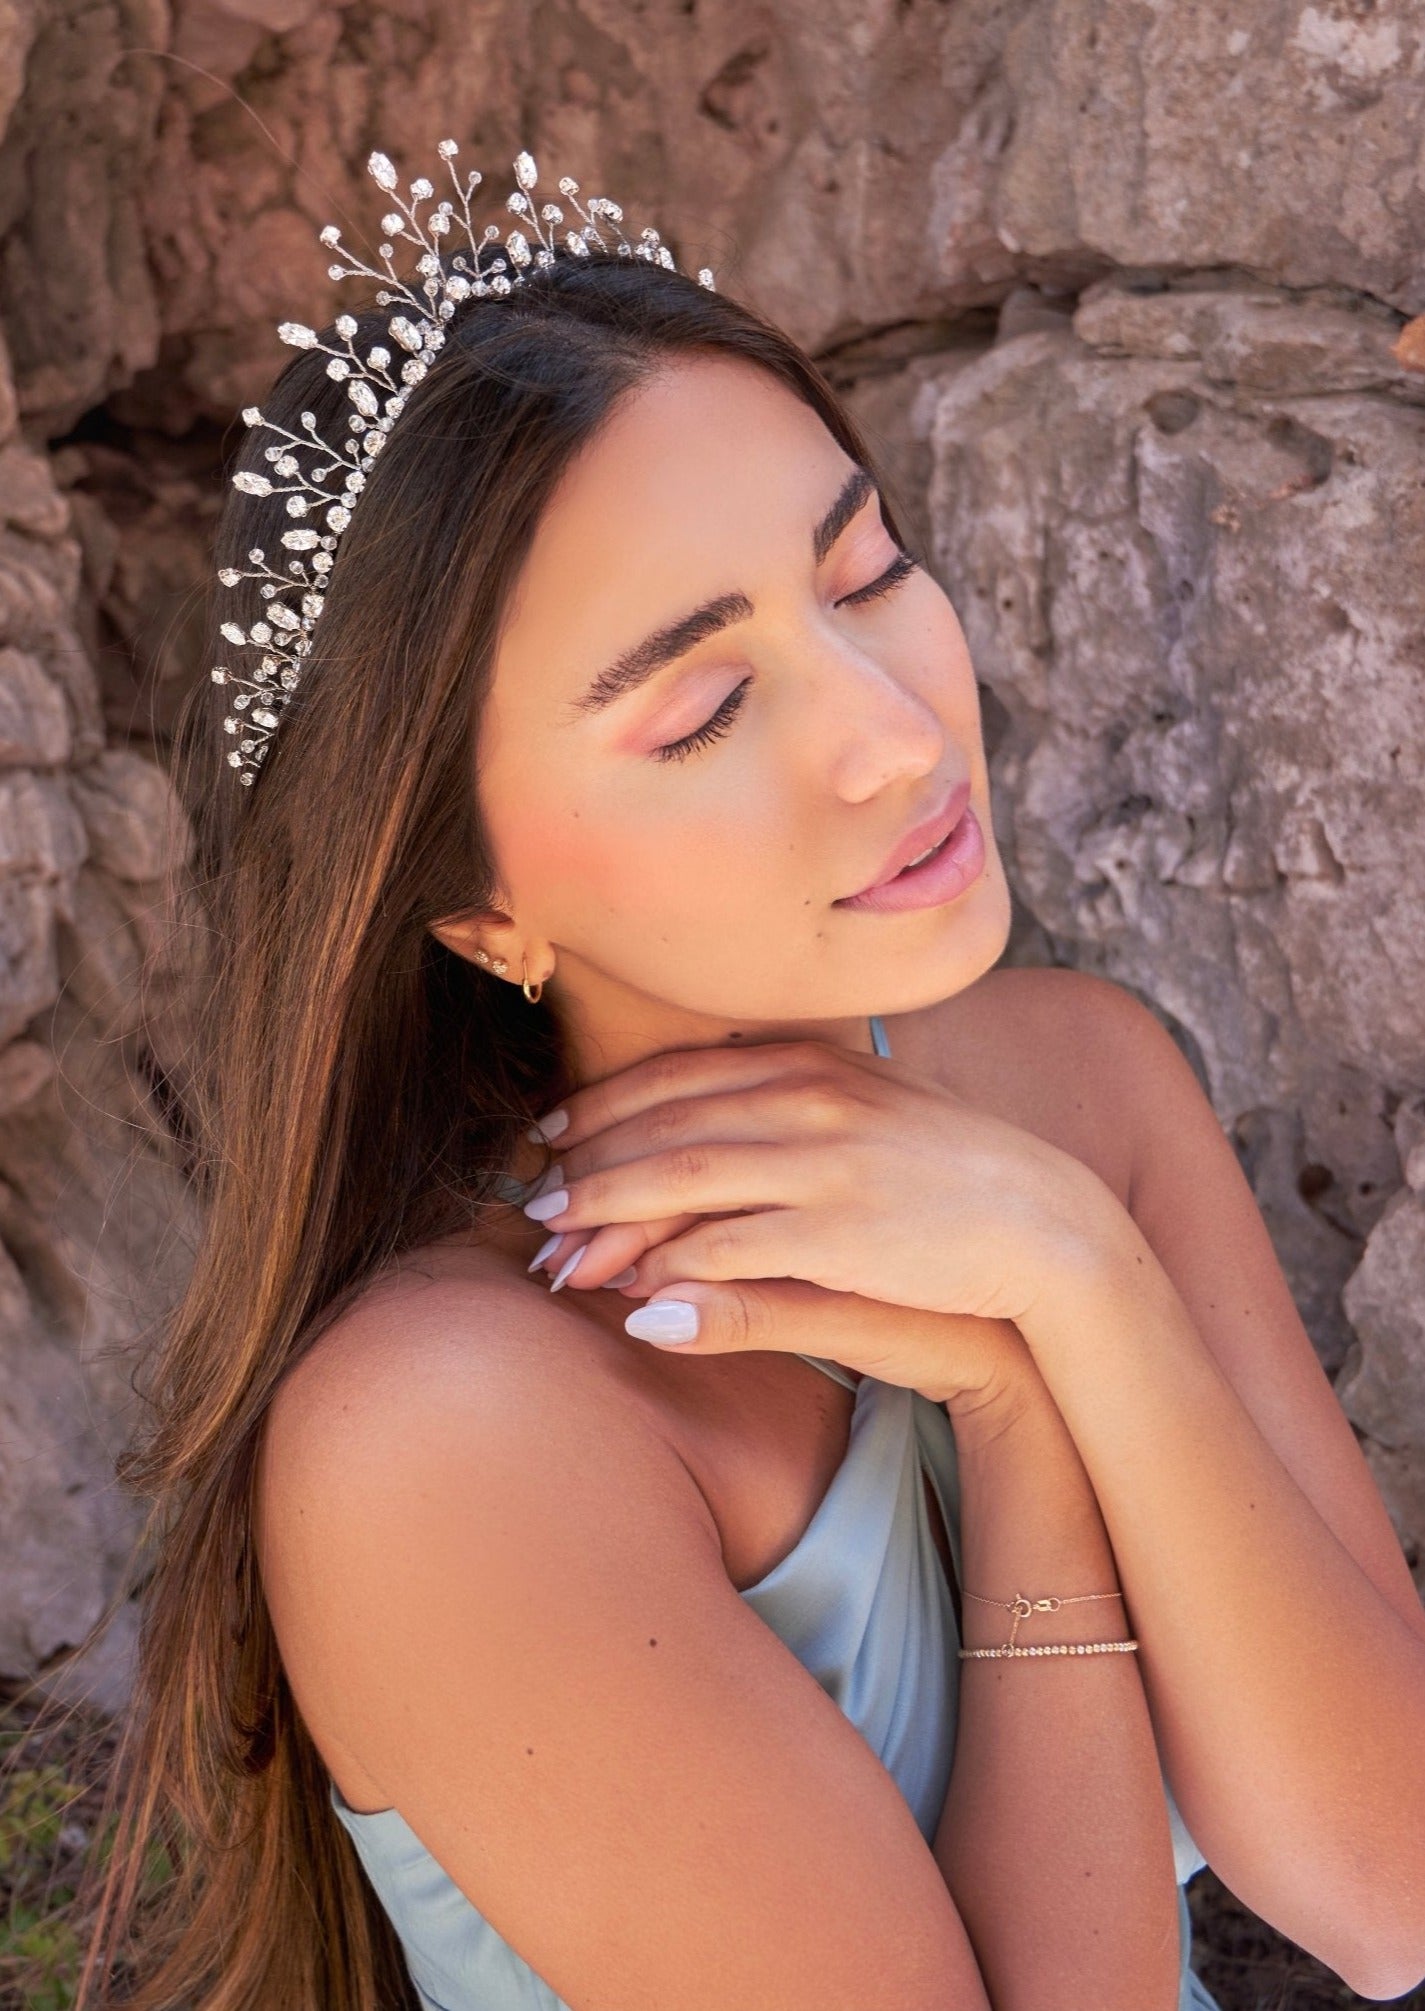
<point x="378" y="387"/>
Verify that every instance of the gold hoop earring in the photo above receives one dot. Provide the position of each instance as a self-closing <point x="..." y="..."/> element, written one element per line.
<point x="531" y="995"/>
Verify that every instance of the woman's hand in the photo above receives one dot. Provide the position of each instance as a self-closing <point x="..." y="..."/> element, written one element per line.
<point x="801" y="1160"/>
<point x="970" y="1365"/>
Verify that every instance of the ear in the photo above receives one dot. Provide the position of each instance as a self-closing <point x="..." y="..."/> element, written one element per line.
<point x="465" y="934"/>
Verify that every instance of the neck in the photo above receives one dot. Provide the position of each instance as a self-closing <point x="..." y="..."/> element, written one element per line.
<point x="610" y="1028"/>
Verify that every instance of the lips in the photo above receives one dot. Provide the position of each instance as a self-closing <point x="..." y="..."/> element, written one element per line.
<point x="921" y="838"/>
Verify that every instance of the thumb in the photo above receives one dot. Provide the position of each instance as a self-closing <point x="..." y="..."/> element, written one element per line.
<point x="730" y="1317"/>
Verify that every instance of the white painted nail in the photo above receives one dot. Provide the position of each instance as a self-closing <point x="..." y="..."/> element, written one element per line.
<point x="549" y="1243"/>
<point x="546" y="1129"/>
<point x="567" y="1266"/>
<point x="624" y="1278"/>
<point x="668" y="1322"/>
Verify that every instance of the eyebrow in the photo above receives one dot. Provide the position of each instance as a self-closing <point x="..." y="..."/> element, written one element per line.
<point x="635" y="666"/>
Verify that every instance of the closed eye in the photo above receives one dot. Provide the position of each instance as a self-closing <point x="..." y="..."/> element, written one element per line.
<point x="898" y="571"/>
<point x="711" y="729"/>
<point x="900" y="568"/>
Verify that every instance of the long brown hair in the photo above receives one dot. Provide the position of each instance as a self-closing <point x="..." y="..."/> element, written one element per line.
<point x="355" y="1088"/>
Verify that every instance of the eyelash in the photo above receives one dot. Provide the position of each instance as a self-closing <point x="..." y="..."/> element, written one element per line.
<point x="898" y="571"/>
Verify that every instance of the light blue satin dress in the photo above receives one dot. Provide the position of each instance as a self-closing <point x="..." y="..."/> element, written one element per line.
<point x="862" y="1602"/>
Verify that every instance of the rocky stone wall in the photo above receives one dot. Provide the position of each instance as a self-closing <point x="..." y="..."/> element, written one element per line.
<point x="1116" y="287"/>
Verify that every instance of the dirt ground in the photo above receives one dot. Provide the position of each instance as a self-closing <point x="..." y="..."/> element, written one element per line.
<point x="1248" y="1966"/>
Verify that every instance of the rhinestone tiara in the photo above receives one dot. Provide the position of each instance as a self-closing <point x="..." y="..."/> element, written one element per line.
<point x="336" y="474"/>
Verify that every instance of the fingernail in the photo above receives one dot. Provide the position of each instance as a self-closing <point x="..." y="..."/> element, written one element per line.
<point x="549" y="1243"/>
<point x="666" y="1320"/>
<point x="624" y="1278"/>
<point x="545" y="1129"/>
<point x="567" y="1266"/>
<point x="544" y="1206"/>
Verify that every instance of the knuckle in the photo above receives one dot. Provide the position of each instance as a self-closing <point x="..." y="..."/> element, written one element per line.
<point x="720" y="1243"/>
<point x="664" y="1069"/>
<point x="825" y="1100"/>
<point x="737" y="1319"/>
<point x="663" y="1123"/>
<point x="686" y="1166"/>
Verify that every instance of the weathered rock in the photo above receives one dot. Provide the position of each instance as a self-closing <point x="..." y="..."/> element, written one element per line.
<point x="75" y="277"/>
<point x="28" y="497"/>
<point x="39" y="588"/>
<point x="1266" y="343"/>
<point x="1187" y="594"/>
<point x="1400" y="1476"/>
<point x="25" y="1067"/>
<point x="9" y="405"/>
<point x="29" y="970"/>
<point x="133" y="818"/>
<point x="1282" y="138"/>
<point x="34" y="724"/>
<point x="79" y="1278"/>
<point x="56" y="1505"/>
<point x="40" y="830"/>
<point x="1385" y="1392"/>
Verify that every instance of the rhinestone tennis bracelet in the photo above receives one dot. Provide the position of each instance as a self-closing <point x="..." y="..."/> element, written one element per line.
<point x="1055" y="1648"/>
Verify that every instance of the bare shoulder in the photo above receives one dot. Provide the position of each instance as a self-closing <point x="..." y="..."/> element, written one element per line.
<point x="447" y="1396"/>
<point x="446" y="1327"/>
<point x="1042" y="1047"/>
<point x="451" y="1355"/>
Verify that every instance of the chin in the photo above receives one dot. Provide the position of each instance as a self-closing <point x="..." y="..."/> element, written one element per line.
<point x="973" y="936"/>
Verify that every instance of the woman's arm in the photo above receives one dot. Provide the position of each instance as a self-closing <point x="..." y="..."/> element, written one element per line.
<point x="1054" y="1840"/>
<point x="1287" y="1696"/>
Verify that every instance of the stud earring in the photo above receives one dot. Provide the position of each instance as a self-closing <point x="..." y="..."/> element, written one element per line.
<point x="531" y="994"/>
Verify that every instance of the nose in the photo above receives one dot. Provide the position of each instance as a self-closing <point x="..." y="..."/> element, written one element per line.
<point x="880" y="729"/>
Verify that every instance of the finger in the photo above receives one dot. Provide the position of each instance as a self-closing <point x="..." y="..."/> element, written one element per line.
<point x="794" y="1316"/>
<point x="743" y="1315"/>
<point x="947" y="1357"/>
<point x="772" y="1243"/>
<point x="692" y="1179"/>
<point x="604" y="1255"/>
<point x="551" y="1253"/>
<point x="782" y="1109"/>
<point x="679" y="1072"/>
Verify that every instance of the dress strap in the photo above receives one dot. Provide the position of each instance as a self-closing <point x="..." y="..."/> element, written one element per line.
<point x="878" y="1036"/>
<point x="832" y="1369"/>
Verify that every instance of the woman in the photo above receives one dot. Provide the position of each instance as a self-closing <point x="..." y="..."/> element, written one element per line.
<point x="621" y="1642"/>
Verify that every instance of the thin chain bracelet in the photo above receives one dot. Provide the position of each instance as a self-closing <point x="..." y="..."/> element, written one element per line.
<point x="1021" y="1608"/>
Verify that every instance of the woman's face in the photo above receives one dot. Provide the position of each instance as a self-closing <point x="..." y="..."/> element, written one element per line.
<point x="674" y="826"/>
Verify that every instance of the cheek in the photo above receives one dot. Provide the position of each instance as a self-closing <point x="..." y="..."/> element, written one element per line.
<point x="662" y="863"/>
<point x="661" y="858"/>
